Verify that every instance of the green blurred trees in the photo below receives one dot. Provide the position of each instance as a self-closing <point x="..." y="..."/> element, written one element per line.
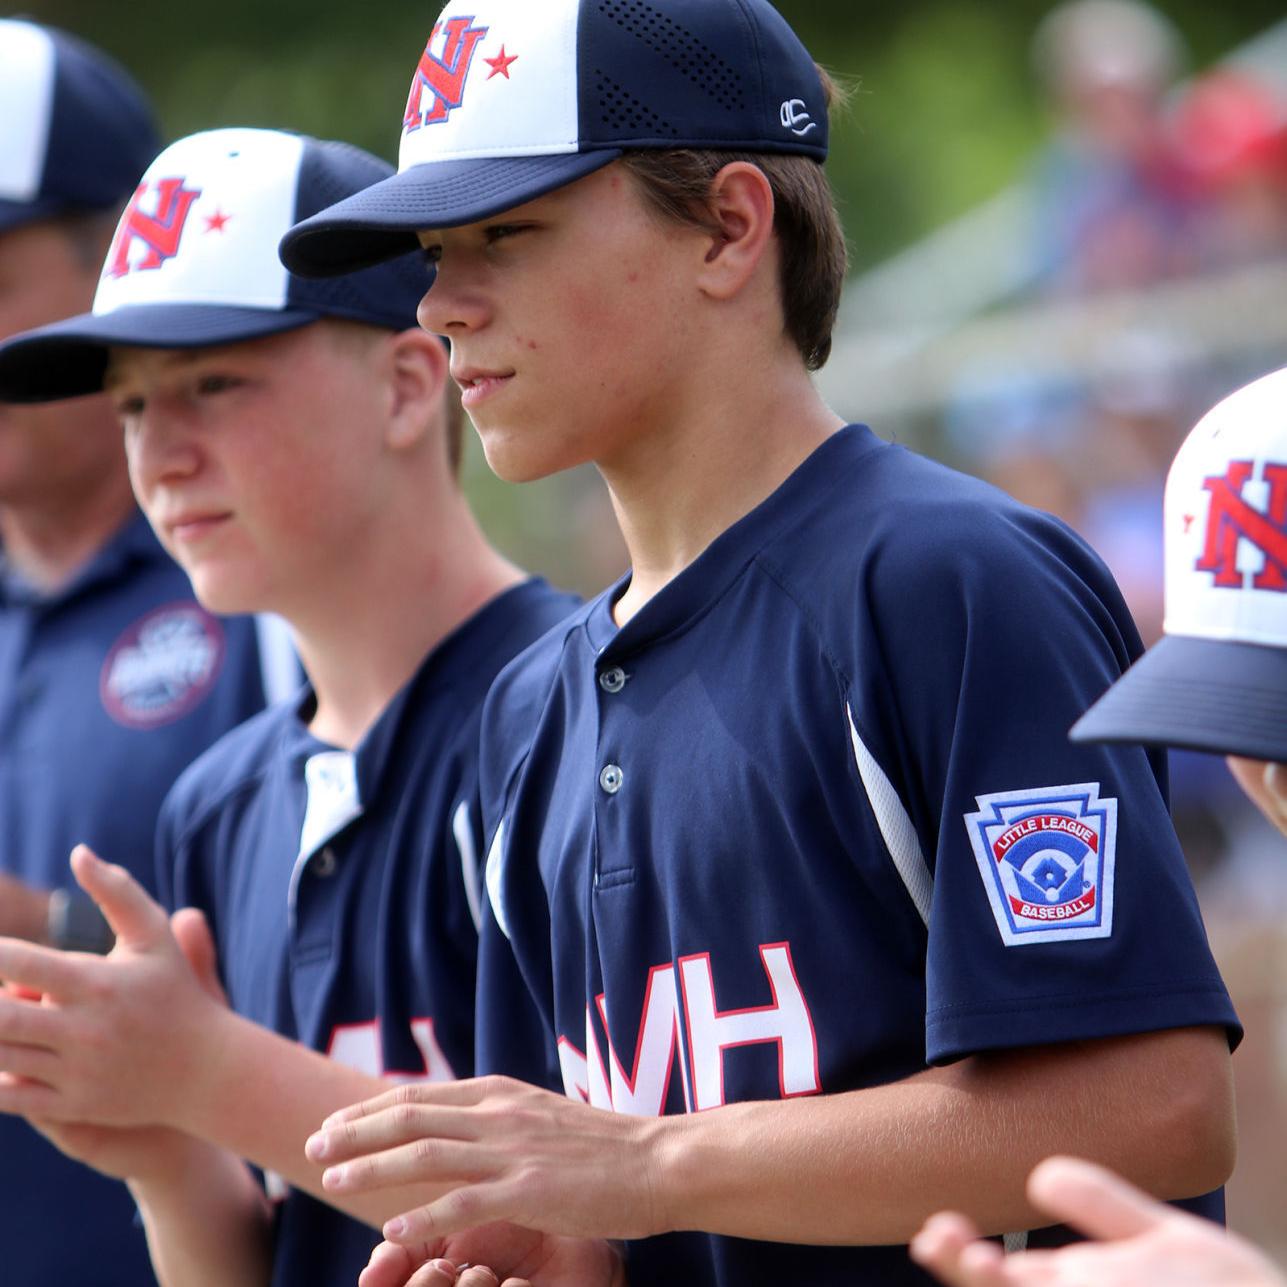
<point x="943" y="114"/>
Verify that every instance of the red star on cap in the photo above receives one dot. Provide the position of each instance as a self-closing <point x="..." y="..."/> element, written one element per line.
<point x="216" y="221"/>
<point x="500" y="64"/>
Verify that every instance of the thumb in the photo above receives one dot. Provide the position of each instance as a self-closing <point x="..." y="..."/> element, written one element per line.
<point x="192" y="932"/>
<point x="1093" y="1200"/>
<point x="135" y="919"/>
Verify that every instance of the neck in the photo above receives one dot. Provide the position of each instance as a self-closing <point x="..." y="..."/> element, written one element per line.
<point x="48" y="541"/>
<point x="677" y="488"/>
<point x="372" y="624"/>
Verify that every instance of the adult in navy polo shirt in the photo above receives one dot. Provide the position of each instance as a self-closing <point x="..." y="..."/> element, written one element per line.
<point x="298" y="452"/>
<point x="785" y="829"/>
<point x="112" y="678"/>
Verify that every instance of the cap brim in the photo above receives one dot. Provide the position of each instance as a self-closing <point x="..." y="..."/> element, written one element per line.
<point x="17" y="214"/>
<point x="382" y="221"/>
<point x="1224" y="697"/>
<point x="69" y="359"/>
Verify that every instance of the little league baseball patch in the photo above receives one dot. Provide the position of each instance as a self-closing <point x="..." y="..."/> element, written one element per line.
<point x="1046" y="858"/>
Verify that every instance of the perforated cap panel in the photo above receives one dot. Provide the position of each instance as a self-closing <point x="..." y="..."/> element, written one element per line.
<point x="687" y="54"/>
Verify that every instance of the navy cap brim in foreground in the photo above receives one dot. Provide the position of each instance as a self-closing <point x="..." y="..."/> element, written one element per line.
<point x="1218" y="696"/>
<point x="69" y="359"/>
<point x="17" y="214"/>
<point x="381" y="221"/>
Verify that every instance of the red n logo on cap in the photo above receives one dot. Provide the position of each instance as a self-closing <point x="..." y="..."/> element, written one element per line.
<point x="160" y="232"/>
<point x="443" y="77"/>
<point x="1231" y="519"/>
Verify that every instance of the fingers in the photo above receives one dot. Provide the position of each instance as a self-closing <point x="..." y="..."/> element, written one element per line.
<point x="393" y="1266"/>
<point x="420" y="1161"/>
<point x="461" y="1209"/>
<point x="135" y="918"/>
<point x="950" y="1247"/>
<point x="400" y="1123"/>
<point x="21" y="1098"/>
<point x="448" y="1093"/>
<point x="191" y="931"/>
<point x="28" y="1023"/>
<point x="443" y="1273"/>
<point x="479" y="1276"/>
<point x="32" y="1063"/>
<point x="43" y="969"/>
<point x="1093" y="1199"/>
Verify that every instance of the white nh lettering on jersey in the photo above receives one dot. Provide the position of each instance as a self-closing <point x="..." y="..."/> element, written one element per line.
<point x="358" y="1045"/>
<point x="785" y="1022"/>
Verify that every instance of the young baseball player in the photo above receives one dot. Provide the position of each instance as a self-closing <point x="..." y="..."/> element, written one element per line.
<point x="112" y="679"/>
<point x="293" y="445"/>
<point x="1216" y="681"/>
<point x="785" y="827"/>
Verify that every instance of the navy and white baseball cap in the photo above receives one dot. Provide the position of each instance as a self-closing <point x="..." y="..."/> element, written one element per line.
<point x="194" y="261"/>
<point x="512" y="99"/>
<point x="75" y="130"/>
<point x="1217" y="680"/>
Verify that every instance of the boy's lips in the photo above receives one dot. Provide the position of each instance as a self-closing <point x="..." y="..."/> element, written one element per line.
<point x="476" y="385"/>
<point x="192" y="526"/>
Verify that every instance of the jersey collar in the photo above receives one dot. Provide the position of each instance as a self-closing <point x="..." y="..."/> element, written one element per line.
<point x="700" y="585"/>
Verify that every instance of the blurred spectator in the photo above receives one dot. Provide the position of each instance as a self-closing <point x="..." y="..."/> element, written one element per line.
<point x="1229" y="133"/>
<point x="1111" y="201"/>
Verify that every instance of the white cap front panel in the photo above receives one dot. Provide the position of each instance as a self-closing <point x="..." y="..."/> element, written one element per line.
<point x="498" y="78"/>
<point x="204" y="225"/>
<point x="26" y="101"/>
<point x="1226" y="521"/>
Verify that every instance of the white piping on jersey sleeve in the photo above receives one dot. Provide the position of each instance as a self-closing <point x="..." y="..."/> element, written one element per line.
<point x="895" y="826"/>
<point x="495" y="856"/>
<point x="468" y="851"/>
<point x="905" y="849"/>
<point x="279" y="668"/>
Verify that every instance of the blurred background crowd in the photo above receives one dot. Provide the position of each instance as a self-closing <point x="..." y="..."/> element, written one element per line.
<point x="1068" y="229"/>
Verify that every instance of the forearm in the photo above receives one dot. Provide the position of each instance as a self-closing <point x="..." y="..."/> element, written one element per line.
<point x="208" y="1223"/>
<point x="263" y="1095"/>
<point x="869" y="1166"/>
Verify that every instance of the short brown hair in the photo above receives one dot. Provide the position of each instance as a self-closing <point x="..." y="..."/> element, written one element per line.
<point x="814" y="257"/>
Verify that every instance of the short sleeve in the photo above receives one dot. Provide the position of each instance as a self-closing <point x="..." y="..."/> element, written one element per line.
<point x="1061" y="905"/>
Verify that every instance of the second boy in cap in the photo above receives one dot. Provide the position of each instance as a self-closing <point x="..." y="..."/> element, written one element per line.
<point x="295" y="445"/>
<point x="112" y="679"/>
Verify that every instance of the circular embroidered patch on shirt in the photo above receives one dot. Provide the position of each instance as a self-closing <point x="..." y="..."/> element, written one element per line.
<point x="162" y="666"/>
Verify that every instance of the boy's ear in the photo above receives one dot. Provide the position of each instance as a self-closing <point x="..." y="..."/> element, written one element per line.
<point x="741" y="211"/>
<point x="417" y="371"/>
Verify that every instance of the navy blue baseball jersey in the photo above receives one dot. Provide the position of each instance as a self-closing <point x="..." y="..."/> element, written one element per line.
<point x="108" y="689"/>
<point x="343" y="888"/>
<point x="811" y="821"/>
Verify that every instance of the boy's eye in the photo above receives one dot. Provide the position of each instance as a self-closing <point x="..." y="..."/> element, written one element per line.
<point x="499" y="231"/>
<point x="208" y="384"/>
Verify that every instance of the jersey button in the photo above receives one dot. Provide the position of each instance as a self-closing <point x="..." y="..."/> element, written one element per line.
<point x="325" y="863"/>
<point x="613" y="680"/>
<point x="612" y="779"/>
